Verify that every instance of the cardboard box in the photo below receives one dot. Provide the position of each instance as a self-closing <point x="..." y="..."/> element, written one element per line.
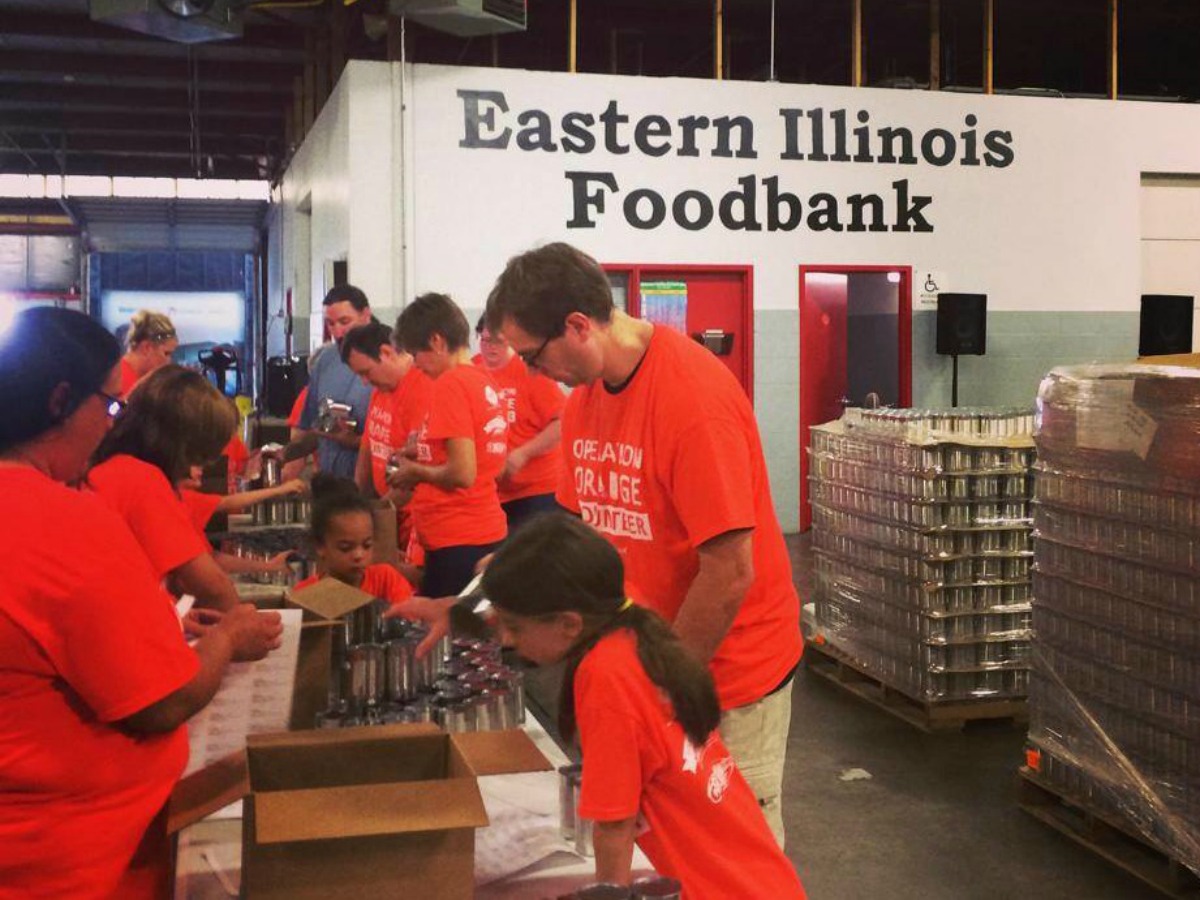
<point x="325" y="604"/>
<point x="387" y="811"/>
<point x="1187" y="360"/>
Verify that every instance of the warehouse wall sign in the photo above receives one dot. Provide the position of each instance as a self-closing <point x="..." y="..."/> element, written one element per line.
<point x="770" y="200"/>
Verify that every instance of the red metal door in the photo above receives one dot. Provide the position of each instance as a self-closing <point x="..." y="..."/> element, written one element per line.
<point x="823" y="300"/>
<point x="719" y="298"/>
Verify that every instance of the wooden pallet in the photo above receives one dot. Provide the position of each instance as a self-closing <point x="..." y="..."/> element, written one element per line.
<point x="1106" y="836"/>
<point x="826" y="661"/>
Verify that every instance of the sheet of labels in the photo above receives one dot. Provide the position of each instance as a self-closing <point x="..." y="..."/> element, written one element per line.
<point x="254" y="697"/>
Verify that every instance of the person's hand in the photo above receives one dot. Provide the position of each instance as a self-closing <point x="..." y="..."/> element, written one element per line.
<point x="513" y="463"/>
<point x="278" y="562"/>
<point x="434" y="613"/>
<point x="291" y="470"/>
<point x="252" y="634"/>
<point x="343" y="434"/>
<point x="405" y="473"/>
<point x="198" y="622"/>
<point x="293" y="487"/>
<point x="253" y="466"/>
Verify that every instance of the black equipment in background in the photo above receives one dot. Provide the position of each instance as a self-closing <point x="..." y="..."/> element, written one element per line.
<point x="961" y="330"/>
<point x="286" y="377"/>
<point x="1166" y="325"/>
<point x="220" y="366"/>
<point x="962" y="324"/>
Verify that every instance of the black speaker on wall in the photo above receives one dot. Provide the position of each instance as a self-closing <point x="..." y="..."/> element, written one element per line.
<point x="1166" y="325"/>
<point x="962" y="324"/>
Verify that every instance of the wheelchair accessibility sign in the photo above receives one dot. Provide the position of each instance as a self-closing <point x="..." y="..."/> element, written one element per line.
<point x="929" y="284"/>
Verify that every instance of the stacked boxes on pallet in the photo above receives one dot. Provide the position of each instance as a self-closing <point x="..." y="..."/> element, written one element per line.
<point x="922" y="538"/>
<point x="1115" y="694"/>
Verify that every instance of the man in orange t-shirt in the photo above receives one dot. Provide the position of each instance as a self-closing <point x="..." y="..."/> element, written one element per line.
<point x="533" y="404"/>
<point x="664" y="458"/>
<point x="460" y="449"/>
<point x="399" y="405"/>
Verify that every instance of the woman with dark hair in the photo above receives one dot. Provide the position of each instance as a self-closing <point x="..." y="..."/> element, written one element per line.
<point x="654" y="768"/>
<point x="96" y="678"/>
<point x="174" y="420"/>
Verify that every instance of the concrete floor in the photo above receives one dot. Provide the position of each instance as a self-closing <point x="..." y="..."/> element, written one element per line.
<point x="937" y="820"/>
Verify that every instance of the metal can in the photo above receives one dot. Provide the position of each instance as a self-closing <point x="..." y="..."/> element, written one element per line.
<point x="366" y="674"/>
<point x="602" y="891"/>
<point x="401" y="676"/>
<point x="567" y="777"/>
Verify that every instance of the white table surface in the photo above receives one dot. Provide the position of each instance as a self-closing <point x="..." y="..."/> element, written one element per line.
<point x="210" y="852"/>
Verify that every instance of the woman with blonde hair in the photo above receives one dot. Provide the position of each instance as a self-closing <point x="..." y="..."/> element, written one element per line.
<point x="174" y="420"/>
<point x="150" y="343"/>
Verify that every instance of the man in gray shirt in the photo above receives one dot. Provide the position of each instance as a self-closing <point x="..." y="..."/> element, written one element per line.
<point x="329" y="378"/>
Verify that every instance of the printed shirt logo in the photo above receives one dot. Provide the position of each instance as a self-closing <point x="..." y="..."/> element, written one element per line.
<point x="608" y="482"/>
<point x="719" y="779"/>
<point x="496" y="427"/>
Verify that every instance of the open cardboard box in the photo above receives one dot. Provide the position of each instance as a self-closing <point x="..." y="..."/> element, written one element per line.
<point x="325" y="604"/>
<point x="387" y="811"/>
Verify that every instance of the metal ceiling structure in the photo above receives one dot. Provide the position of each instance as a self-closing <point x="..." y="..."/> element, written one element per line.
<point x="79" y="96"/>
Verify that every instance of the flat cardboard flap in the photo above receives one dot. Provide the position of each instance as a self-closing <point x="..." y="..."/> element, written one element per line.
<point x="367" y="810"/>
<point x="205" y="791"/>
<point x="295" y="760"/>
<point x="330" y="598"/>
<point x="500" y="752"/>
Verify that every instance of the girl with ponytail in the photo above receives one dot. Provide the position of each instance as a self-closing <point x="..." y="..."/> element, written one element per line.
<point x="645" y="711"/>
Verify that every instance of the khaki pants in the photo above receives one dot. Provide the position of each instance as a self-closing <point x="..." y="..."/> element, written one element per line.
<point x="756" y="735"/>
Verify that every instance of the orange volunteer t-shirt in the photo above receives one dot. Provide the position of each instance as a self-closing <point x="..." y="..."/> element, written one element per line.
<point x="670" y="461"/>
<point x="464" y="404"/>
<point x="141" y="495"/>
<point x="392" y="417"/>
<point x="87" y="639"/>
<point x="293" y="418"/>
<point x="238" y="454"/>
<point x="128" y="378"/>
<point x="703" y="823"/>
<point x="201" y="507"/>
<point x="531" y="402"/>
<point x="379" y="580"/>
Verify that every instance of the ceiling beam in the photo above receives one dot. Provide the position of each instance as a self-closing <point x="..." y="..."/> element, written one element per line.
<point x="22" y="39"/>
<point x="130" y="122"/>
<point x="25" y="66"/>
<point x="77" y="97"/>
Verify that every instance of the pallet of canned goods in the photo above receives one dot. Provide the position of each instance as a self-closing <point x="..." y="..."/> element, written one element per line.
<point x="1115" y="684"/>
<point x="922" y="538"/>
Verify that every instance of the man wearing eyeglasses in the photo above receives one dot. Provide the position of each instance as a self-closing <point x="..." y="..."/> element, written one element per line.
<point x="663" y="456"/>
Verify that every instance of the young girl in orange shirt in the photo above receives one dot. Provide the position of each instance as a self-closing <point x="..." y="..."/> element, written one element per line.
<point x="655" y="771"/>
<point x="342" y="536"/>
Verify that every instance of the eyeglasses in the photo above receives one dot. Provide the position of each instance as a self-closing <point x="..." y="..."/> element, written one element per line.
<point x="530" y="357"/>
<point x="115" y="404"/>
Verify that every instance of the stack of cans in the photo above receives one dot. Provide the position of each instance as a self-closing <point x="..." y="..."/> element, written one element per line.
<point x="460" y="685"/>
<point x="1115" y="695"/>
<point x="924" y="548"/>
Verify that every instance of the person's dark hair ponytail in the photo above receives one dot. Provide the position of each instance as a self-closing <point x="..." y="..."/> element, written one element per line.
<point x="555" y="563"/>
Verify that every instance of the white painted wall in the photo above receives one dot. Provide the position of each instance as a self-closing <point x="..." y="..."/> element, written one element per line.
<point x="1055" y="230"/>
<point x="1171" y="240"/>
<point x="1066" y="227"/>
